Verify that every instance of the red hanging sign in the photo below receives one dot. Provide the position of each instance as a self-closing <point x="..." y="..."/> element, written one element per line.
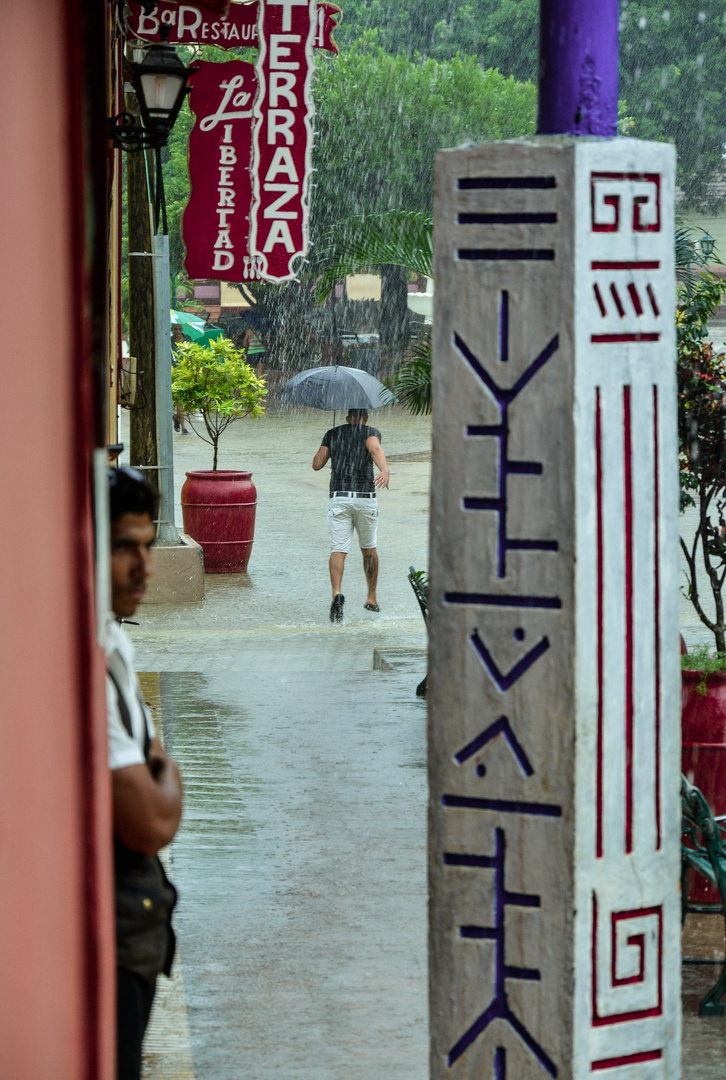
<point x="215" y="226"/>
<point x="190" y="24"/>
<point x="282" y="137"/>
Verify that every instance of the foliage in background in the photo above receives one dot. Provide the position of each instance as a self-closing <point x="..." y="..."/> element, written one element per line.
<point x="704" y="660"/>
<point x="175" y="169"/>
<point x="216" y="381"/>
<point x="501" y="33"/>
<point x="673" y="74"/>
<point x="702" y="444"/>
<point x="380" y="120"/>
<point x="672" y="62"/>
<point x="398" y="238"/>
<point x="414" y="76"/>
<point x="411" y="382"/>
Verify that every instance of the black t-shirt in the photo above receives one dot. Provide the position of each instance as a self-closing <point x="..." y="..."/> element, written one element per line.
<point x="351" y="464"/>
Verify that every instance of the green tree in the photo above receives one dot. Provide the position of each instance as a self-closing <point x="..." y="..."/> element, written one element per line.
<point x="673" y="71"/>
<point x="672" y="62"/>
<point x="501" y="33"/>
<point x="216" y="381"/>
<point x="398" y="238"/>
<point x="380" y="120"/>
<point x="702" y="445"/>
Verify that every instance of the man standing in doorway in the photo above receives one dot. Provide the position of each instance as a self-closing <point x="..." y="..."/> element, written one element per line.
<point x="145" y="783"/>
<point x="352" y="449"/>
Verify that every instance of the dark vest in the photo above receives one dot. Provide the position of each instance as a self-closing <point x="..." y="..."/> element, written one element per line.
<point x="144" y="896"/>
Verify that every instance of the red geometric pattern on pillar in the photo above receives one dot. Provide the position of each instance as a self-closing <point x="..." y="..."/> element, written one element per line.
<point x="629" y="604"/>
<point x="626" y="1060"/>
<point x="636" y="938"/>
<point x="629" y="858"/>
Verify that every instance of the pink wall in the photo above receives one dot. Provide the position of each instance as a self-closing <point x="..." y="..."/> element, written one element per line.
<point x="55" y="908"/>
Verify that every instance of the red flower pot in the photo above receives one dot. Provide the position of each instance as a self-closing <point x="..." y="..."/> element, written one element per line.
<point x="703" y="752"/>
<point x="219" y="513"/>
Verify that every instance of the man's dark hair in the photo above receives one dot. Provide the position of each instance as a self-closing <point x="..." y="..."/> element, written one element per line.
<point x="131" y="493"/>
<point x="358" y="414"/>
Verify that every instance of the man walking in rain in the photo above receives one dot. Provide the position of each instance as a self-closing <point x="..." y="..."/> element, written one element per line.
<point x="352" y="450"/>
<point x="145" y="783"/>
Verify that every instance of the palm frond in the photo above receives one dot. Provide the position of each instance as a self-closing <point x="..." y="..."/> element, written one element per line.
<point x="397" y="238"/>
<point x="411" y="383"/>
<point x="690" y="260"/>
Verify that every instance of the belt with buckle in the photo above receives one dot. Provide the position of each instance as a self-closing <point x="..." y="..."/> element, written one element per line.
<point x="353" y="495"/>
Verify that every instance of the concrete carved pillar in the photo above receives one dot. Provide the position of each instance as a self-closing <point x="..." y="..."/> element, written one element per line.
<point x="554" y="673"/>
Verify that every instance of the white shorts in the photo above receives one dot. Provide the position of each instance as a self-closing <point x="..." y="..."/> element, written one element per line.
<point x="345" y="515"/>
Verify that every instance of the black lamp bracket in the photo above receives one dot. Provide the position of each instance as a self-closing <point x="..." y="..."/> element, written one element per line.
<point x="128" y="133"/>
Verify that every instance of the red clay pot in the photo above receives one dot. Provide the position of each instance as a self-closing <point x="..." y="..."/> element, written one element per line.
<point x="703" y="752"/>
<point x="219" y="513"/>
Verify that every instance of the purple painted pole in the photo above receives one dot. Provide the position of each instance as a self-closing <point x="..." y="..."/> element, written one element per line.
<point x="578" y="67"/>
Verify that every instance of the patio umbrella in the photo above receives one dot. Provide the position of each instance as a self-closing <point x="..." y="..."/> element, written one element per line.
<point x="209" y="336"/>
<point x="192" y="325"/>
<point x="335" y="388"/>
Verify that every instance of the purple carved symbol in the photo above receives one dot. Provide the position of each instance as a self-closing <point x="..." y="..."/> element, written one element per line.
<point x="505" y="680"/>
<point x="500" y="1064"/>
<point x="500" y="431"/>
<point x="499" y="1007"/>
<point x="495" y="600"/>
<point x="504" y="326"/>
<point x="502" y="806"/>
<point x="499" y="727"/>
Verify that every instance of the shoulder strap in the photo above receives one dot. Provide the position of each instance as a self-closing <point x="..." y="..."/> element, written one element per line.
<point x="126" y="716"/>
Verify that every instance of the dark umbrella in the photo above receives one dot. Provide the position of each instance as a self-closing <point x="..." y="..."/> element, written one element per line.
<point x="335" y="388"/>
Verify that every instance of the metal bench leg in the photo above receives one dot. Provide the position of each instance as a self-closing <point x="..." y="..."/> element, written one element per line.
<point x="711" y="1003"/>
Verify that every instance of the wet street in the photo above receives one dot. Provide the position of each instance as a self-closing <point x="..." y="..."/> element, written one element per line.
<point x="301" y="859"/>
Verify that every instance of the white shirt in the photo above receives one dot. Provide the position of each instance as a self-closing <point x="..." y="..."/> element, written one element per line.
<point x="122" y="749"/>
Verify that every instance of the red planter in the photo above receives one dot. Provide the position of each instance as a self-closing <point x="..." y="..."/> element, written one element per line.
<point x="219" y="513"/>
<point x="703" y="752"/>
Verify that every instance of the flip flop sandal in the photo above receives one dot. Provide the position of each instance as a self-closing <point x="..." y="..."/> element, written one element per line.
<point x="336" y="608"/>
<point x="371" y="607"/>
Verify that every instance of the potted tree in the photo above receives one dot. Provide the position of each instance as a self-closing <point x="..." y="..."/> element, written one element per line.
<point x="218" y="505"/>
<point x="702" y="463"/>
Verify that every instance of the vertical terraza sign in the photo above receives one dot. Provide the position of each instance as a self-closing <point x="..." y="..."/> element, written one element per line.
<point x="282" y="136"/>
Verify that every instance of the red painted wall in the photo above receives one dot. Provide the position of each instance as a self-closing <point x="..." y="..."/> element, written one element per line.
<point x="56" y="950"/>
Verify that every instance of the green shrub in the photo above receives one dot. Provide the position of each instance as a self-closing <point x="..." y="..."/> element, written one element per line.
<point x="216" y="381"/>
<point x="700" y="659"/>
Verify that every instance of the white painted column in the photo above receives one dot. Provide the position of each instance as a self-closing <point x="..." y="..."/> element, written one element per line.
<point x="554" y="673"/>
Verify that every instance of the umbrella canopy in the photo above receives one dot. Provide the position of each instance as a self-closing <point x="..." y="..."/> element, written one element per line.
<point x="335" y="388"/>
<point x="192" y="325"/>
<point x="209" y="336"/>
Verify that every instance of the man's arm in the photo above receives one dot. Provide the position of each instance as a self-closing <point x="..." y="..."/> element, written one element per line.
<point x="321" y="458"/>
<point x="147" y="802"/>
<point x="374" y="448"/>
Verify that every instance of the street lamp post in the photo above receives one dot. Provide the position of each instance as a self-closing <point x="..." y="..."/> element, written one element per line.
<point x="707" y="244"/>
<point x="159" y="81"/>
